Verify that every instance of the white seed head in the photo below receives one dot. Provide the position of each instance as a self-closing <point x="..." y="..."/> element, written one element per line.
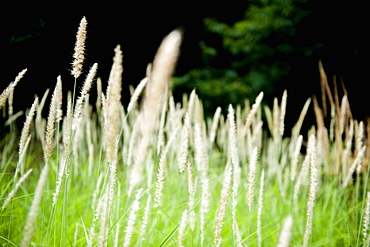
<point x="252" y="176"/>
<point x="285" y="234"/>
<point x="79" y="54"/>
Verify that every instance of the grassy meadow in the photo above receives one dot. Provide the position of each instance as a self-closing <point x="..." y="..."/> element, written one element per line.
<point x="159" y="173"/>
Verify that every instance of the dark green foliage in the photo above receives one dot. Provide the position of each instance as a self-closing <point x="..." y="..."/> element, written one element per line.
<point x="247" y="56"/>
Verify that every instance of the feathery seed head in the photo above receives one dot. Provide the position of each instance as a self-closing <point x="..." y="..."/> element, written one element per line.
<point x="49" y="137"/>
<point x="356" y="165"/>
<point x="67" y="130"/>
<point x="103" y="233"/>
<point x="204" y="205"/>
<point x="59" y="182"/>
<point x="233" y="152"/>
<point x="285" y="234"/>
<point x="252" y="176"/>
<point x="155" y="94"/>
<point x="67" y="134"/>
<point x="136" y="94"/>
<point x="253" y="111"/>
<point x="29" y="228"/>
<point x="112" y="182"/>
<point x="113" y="103"/>
<point x="166" y="58"/>
<point x="182" y="227"/>
<point x="4" y="95"/>
<point x="145" y="218"/>
<point x="200" y="149"/>
<point x="11" y="194"/>
<point x="359" y="144"/>
<point x="216" y="118"/>
<point x="132" y="217"/>
<point x="99" y="93"/>
<point x="295" y="158"/>
<point x="11" y="91"/>
<point x="260" y="206"/>
<point x="366" y="218"/>
<point x="191" y="104"/>
<point x="233" y="156"/>
<point x="160" y="182"/>
<point x="191" y="189"/>
<point x="80" y="101"/>
<point x="19" y="77"/>
<point x="282" y="112"/>
<point x="27" y="124"/>
<point x="313" y="189"/>
<point x="223" y="204"/>
<point x="158" y="81"/>
<point x="59" y="100"/>
<point x="276" y="114"/>
<point x="360" y="134"/>
<point x="79" y="54"/>
<point x="184" y="143"/>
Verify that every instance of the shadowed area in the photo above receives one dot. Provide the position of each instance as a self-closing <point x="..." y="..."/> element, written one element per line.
<point x="43" y="42"/>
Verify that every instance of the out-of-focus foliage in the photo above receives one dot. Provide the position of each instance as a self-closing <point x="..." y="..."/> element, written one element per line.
<point x="247" y="56"/>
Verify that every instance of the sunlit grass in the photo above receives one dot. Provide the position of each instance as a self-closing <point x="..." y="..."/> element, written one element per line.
<point x="110" y="201"/>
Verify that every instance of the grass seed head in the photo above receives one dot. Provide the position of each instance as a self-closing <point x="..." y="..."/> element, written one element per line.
<point x="252" y="176"/>
<point x="285" y="234"/>
<point x="79" y="54"/>
<point x="27" y="125"/>
<point x="80" y="101"/>
<point x="113" y="103"/>
<point x="313" y="189"/>
<point x="29" y="228"/>
<point x="223" y="204"/>
<point x="49" y="136"/>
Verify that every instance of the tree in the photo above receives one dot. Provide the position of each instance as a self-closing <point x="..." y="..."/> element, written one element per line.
<point x="242" y="58"/>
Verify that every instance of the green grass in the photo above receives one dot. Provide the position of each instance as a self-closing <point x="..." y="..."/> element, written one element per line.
<point x="337" y="216"/>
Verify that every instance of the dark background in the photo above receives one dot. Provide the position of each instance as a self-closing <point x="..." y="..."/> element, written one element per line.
<point x="43" y="42"/>
<point x="42" y="39"/>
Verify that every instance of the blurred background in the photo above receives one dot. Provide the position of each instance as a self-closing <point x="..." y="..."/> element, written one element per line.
<point x="231" y="50"/>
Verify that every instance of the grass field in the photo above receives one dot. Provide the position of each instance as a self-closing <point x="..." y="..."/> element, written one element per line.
<point x="159" y="173"/>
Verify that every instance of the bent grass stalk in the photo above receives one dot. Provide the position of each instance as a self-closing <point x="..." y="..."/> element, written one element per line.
<point x="11" y="194"/>
<point x="9" y="90"/>
<point x="80" y="101"/>
<point x="29" y="228"/>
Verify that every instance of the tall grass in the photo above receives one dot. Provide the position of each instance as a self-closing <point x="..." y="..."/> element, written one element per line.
<point x="161" y="174"/>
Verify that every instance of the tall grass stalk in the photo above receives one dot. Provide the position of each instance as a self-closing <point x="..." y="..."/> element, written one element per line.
<point x="221" y="212"/>
<point x="285" y="234"/>
<point x="260" y="207"/>
<point x="313" y="190"/>
<point x="11" y="194"/>
<point x="132" y="218"/>
<point x="29" y="228"/>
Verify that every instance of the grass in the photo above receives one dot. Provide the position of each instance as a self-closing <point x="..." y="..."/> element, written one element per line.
<point x="164" y="175"/>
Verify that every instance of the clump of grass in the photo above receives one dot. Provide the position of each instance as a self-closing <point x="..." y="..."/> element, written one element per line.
<point x="160" y="173"/>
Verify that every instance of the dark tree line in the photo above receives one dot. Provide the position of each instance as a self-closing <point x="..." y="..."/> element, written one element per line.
<point x="276" y="45"/>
